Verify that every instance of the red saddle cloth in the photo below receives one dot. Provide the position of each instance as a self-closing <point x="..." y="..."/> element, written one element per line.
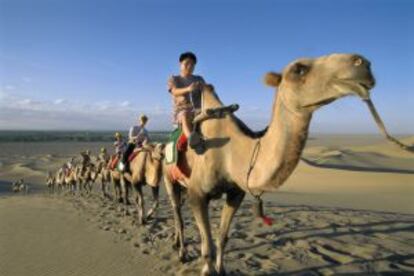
<point x="134" y="154"/>
<point x="112" y="164"/>
<point x="181" y="169"/>
<point x="182" y="143"/>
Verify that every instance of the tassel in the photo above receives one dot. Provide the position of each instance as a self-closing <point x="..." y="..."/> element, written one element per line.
<point x="258" y="208"/>
<point x="259" y="212"/>
<point x="267" y="220"/>
<point x="182" y="143"/>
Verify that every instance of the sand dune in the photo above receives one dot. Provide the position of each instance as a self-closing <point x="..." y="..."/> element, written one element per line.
<point x="381" y="157"/>
<point x="91" y="236"/>
<point x="45" y="236"/>
<point x="346" y="209"/>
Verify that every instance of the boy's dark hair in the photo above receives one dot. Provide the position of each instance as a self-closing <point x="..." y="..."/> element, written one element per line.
<point x="189" y="55"/>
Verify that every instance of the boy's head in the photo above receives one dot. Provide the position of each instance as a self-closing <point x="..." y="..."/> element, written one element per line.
<point x="188" y="61"/>
<point x="143" y="119"/>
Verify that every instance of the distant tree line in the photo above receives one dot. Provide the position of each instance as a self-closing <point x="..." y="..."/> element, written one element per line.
<point x="70" y="136"/>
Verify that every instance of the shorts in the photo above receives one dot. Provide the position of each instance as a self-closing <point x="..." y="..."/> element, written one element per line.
<point x="180" y="114"/>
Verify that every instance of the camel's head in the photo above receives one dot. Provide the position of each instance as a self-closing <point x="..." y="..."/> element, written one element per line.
<point x="307" y="84"/>
<point x="158" y="151"/>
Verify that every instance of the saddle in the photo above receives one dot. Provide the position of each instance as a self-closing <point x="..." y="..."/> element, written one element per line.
<point x="177" y="142"/>
<point x="113" y="162"/>
<point x="134" y="153"/>
<point x="174" y="155"/>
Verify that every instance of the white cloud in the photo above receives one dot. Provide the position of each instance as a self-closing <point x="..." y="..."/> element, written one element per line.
<point x="125" y="104"/>
<point x="10" y="87"/>
<point x="60" y="101"/>
<point x="29" y="113"/>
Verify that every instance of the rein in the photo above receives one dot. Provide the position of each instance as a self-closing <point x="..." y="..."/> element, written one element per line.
<point x="381" y="126"/>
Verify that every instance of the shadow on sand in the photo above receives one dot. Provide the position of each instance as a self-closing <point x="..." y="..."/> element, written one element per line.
<point x="356" y="168"/>
<point x="5" y="188"/>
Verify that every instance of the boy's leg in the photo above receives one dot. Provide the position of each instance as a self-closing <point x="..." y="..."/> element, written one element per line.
<point x="186" y="123"/>
<point x="124" y="157"/>
<point x="128" y="151"/>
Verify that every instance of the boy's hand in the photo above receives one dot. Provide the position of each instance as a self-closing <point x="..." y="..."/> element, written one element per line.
<point x="195" y="86"/>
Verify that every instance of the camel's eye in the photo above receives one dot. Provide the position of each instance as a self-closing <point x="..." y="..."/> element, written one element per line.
<point x="300" y="69"/>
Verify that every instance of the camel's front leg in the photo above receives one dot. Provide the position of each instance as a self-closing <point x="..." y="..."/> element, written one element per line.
<point x="103" y="188"/>
<point x="174" y="193"/>
<point x="233" y="201"/>
<point x="140" y="203"/>
<point x="199" y="206"/>
<point x="117" y="190"/>
<point x="125" y="195"/>
<point x="79" y="188"/>
<point x="155" y="195"/>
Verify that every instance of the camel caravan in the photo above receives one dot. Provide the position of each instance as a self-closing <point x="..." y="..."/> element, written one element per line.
<point x="20" y="186"/>
<point x="212" y="153"/>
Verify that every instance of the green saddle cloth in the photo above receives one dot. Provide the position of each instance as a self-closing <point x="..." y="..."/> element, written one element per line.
<point x="171" y="152"/>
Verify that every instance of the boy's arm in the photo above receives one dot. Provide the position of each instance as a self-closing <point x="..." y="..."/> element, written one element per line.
<point x="172" y="88"/>
<point x="130" y="135"/>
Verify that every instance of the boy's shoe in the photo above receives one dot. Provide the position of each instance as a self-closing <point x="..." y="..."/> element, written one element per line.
<point x="196" y="142"/>
<point x="127" y="168"/>
<point x="121" y="166"/>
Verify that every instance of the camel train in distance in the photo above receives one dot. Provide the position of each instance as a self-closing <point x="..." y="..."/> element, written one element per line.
<point x="265" y="159"/>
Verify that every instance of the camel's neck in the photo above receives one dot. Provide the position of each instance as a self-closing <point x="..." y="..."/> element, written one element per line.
<point x="281" y="147"/>
<point x="278" y="150"/>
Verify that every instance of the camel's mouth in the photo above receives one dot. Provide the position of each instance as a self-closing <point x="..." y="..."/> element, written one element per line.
<point x="345" y="87"/>
<point x="320" y="103"/>
<point x="360" y="87"/>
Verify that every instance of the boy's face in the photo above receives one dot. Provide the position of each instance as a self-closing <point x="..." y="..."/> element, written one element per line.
<point x="142" y="122"/>
<point x="187" y="67"/>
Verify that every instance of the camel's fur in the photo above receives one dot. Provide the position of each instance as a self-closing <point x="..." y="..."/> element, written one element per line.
<point x="104" y="173"/>
<point x="145" y="168"/>
<point x="304" y="86"/>
<point x="71" y="179"/>
<point x="51" y="182"/>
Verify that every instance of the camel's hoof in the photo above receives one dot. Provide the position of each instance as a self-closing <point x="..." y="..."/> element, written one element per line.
<point x="149" y="216"/>
<point x="221" y="272"/>
<point x="208" y="272"/>
<point x="183" y="258"/>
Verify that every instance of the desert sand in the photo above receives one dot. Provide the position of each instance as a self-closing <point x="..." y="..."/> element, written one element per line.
<point x="347" y="208"/>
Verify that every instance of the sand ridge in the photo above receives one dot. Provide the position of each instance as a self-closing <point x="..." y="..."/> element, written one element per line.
<point x="323" y="240"/>
<point x="348" y="210"/>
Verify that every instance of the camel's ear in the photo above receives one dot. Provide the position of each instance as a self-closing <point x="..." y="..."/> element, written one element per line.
<point x="272" y="79"/>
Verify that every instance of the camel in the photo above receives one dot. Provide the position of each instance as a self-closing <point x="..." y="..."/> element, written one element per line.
<point x="20" y="186"/>
<point x="86" y="174"/>
<point x="59" y="180"/>
<point x="50" y="182"/>
<point x="236" y="160"/>
<point x="70" y="179"/>
<point x="93" y="176"/>
<point x="145" y="168"/>
<point x="105" y="176"/>
<point x="116" y="177"/>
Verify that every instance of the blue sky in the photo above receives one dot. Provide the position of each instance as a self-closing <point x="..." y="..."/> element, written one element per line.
<point x="99" y="64"/>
